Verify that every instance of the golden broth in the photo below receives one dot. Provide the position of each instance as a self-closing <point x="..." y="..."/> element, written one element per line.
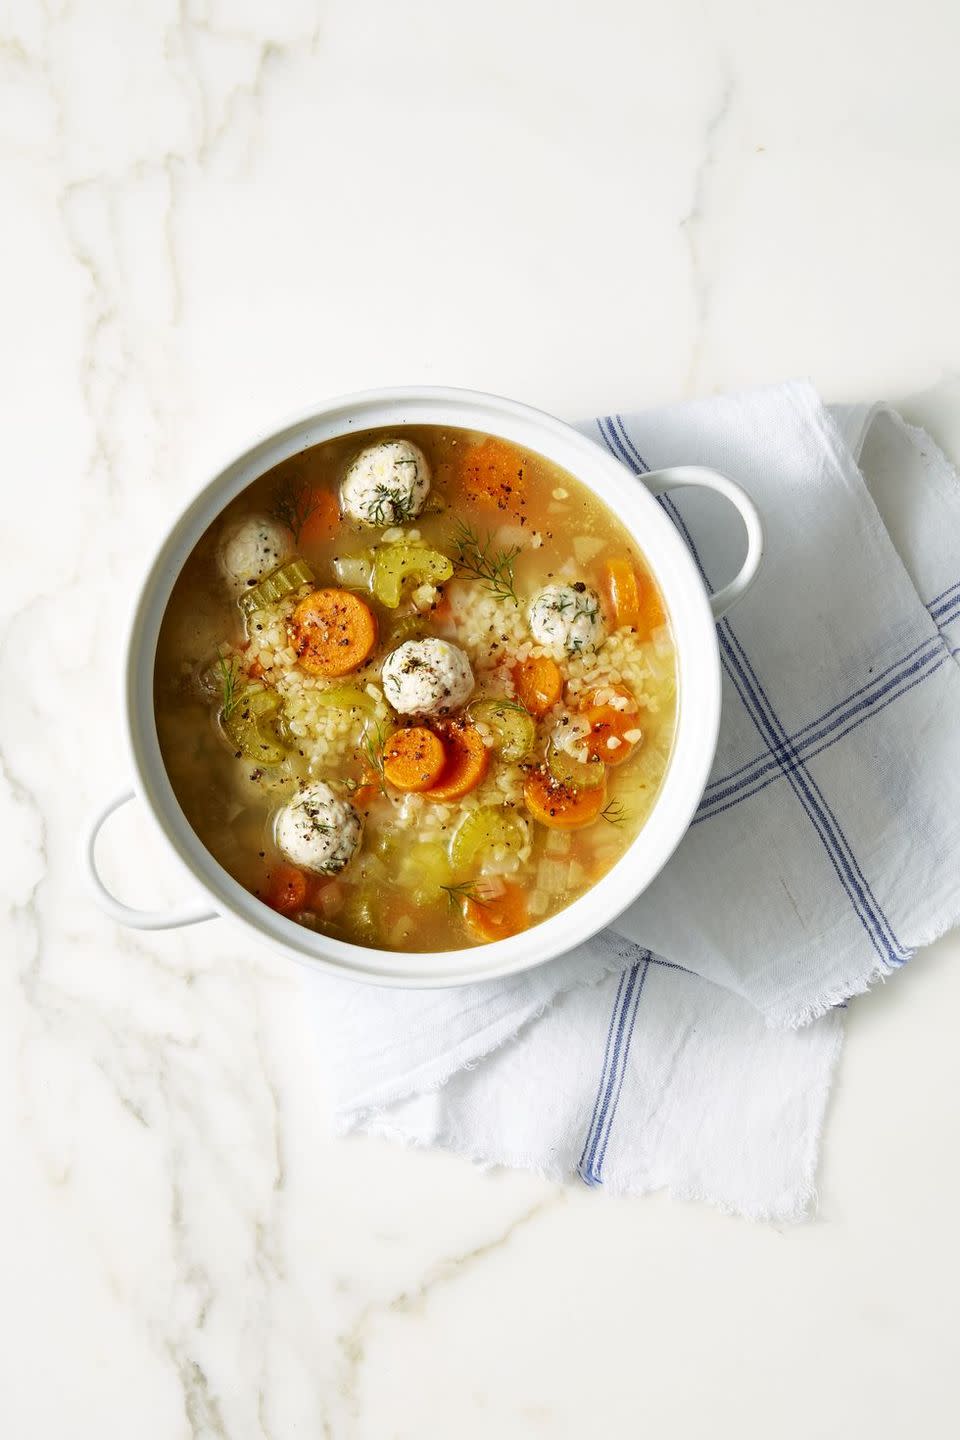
<point x="245" y="727"/>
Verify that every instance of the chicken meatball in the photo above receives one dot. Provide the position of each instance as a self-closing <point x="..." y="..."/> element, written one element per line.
<point x="427" y="677"/>
<point x="318" y="831"/>
<point x="567" y="618"/>
<point x="252" y="549"/>
<point x="386" y="485"/>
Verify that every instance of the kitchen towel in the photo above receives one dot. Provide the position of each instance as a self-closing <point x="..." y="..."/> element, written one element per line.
<point x="692" y="1046"/>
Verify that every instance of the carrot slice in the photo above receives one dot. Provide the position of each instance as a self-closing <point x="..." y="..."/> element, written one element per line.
<point x="539" y="684"/>
<point x="496" y="917"/>
<point x="624" y="591"/>
<point x="287" y="889"/>
<point x="414" y="759"/>
<point x="609" y="723"/>
<point x="368" y="788"/>
<point x="634" y="597"/>
<point x="321" y="521"/>
<point x="466" y="763"/>
<point x="493" y="476"/>
<point x="652" y="613"/>
<point x="560" y="806"/>
<point x="333" y="632"/>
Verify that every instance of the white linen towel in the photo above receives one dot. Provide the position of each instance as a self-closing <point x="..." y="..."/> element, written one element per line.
<point x="692" y="1046"/>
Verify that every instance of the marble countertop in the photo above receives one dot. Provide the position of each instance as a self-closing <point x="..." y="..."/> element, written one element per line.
<point x="214" y="213"/>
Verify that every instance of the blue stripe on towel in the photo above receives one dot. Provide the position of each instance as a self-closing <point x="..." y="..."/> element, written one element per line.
<point x="951" y="590"/>
<point x="947" y="613"/>
<point x="597" y="1164"/>
<point x="620" y="1032"/>
<point x="765" y="771"/>
<point x="758" y="706"/>
<point x="603" y="1069"/>
<point x="822" y="720"/>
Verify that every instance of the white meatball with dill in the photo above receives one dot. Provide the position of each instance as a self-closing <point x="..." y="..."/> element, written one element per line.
<point x="567" y="618"/>
<point x="427" y="677"/>
<point x="252" y="549"/>
<point x="387" y="484"/>
<point x="319" y="831"/>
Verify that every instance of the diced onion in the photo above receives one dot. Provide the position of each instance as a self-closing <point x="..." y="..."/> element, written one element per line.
<point x="353" y="571"/>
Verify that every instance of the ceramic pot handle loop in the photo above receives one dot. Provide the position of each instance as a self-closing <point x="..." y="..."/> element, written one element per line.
<point x="680" y="477"/>
<point x="126" y="914"/>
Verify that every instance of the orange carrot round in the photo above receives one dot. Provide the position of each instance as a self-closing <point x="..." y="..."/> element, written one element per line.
<point x="466" y="763"/>
<point x="539" y="684"/>
<point x="287" y="889"/>
<point x="609" y="723"/>
<point x="413" y="759"/>
<point x="321" y="517"/>
<point x="333" y="632"/>
<point x="497" y="916"/>
<point x="560" y="806"/>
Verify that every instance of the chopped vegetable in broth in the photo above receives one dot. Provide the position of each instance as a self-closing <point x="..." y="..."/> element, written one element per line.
<point x="416" y="689"/>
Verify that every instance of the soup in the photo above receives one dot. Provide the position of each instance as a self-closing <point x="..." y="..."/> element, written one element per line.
<point x="416" y="689"/>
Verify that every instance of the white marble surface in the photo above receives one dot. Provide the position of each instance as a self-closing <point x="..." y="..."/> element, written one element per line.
<point x="214" y="213"/>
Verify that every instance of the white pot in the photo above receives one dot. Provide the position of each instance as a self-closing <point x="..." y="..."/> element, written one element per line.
<point x="692" y="613"/>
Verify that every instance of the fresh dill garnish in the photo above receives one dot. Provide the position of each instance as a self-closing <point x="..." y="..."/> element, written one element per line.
<point x="478" y="558"/>
<point x="614" y="813"/>
<point x="390" y="506"/>
<point x="230" y="687"/>
<point x="511" y="705"/>
<point x="372" y="744"/>
<point x="319" y="826"/>
<point x="293" y="504"/>
<point x="465" y="890"/>
<point x="499" y="703"/>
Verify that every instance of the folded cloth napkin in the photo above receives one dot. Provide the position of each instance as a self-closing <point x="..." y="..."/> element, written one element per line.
<point x="692" y="1046"/>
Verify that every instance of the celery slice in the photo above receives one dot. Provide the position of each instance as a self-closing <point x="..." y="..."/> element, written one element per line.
<point x="408" y="627"/>
<point x="250" y="726"/>
<point x="583" y="774"/>
<point x="514" y="729"/>
<point x="273" y="587"/>
<point x="359" y="917"/>
<point x="482" y="829"/>
<point x="395" y="565"/>
<point x="346" y="697"/>
<point x="425" y="870"/>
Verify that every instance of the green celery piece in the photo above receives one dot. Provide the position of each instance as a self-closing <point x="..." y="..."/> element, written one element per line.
<point x="582" y="774"/>
<point x="250" y="726"/>
<point x="514" y="729"/>
<point x="273" y="587"/>
<point x="397" y="564"/>
<point x="481" y="829"/>
<point x="346" y="697"/>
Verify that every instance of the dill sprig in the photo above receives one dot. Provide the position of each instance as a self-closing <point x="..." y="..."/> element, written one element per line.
<point x="501" y="702"/>
<point x="391" y="506"/>
<point x="293" y="504"/>
<point x="478" y="558"/>
<point x="231" y="690"/>
<point x="614" y="813"/>
<point x="373" y="743"/>
<point x="465" y="890"/>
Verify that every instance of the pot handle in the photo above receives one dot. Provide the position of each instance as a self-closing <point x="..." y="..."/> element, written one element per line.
<point x="125" y="914"/>
<point x="680" y="477"/>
